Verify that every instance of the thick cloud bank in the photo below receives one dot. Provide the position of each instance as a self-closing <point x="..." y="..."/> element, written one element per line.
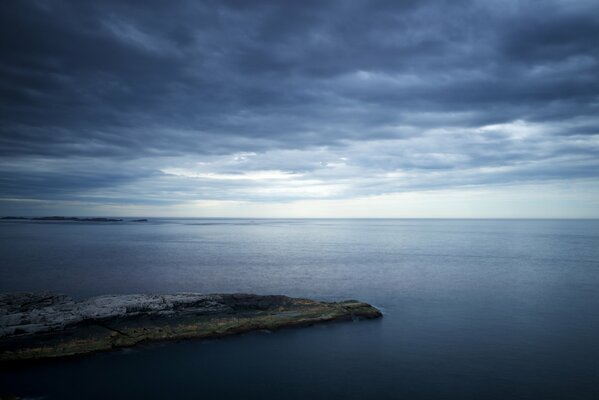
<point x="138" y="104"/>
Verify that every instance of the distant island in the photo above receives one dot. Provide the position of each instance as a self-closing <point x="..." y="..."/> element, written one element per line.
<point x="45" y="325"/>
<point x="59" y="218"/>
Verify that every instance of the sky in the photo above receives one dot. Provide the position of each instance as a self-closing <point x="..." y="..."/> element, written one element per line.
<point x="452" y="109"/>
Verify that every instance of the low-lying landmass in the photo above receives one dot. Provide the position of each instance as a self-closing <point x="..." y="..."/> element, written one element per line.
<point x="96" y="219"/>
<point x="77" y="219"/>
<point x="45" y="325"/>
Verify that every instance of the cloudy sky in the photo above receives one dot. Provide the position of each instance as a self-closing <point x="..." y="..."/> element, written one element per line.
<point x="263" y="108"/>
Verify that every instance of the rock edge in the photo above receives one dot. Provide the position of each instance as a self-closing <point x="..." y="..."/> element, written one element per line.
<point x="46" y="325"/>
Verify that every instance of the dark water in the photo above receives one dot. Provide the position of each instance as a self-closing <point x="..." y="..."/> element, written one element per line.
<point x="474" y="309"/>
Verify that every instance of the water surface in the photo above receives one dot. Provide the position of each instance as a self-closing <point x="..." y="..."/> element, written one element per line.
<point x="474" y="309"/>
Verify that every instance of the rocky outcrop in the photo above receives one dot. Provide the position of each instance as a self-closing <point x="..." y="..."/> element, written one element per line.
<point x="44" y="325"/>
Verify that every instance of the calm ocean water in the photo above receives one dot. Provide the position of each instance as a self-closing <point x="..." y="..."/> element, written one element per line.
<point x="474" y="309"/>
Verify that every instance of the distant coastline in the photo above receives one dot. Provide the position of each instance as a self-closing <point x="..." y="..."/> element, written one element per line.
<point x="77" y="219"/>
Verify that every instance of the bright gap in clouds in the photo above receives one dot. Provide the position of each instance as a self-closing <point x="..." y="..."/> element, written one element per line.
<point x="525" y="201"/>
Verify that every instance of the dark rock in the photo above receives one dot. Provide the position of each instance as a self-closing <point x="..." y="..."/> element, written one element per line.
<point x="45" y="325"/>
<point x="10" y="397"/>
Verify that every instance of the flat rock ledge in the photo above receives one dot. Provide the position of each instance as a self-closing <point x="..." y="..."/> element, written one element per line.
<point x="47" y="325"/>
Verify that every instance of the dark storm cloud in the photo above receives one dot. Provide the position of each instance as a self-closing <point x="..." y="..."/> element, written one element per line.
<point x="139" y="88"/>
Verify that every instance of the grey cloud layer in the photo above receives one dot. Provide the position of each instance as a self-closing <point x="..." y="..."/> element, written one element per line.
<point x="145" y="102"/>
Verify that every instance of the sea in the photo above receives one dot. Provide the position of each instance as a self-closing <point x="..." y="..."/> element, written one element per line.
<point x="473" y="308"/>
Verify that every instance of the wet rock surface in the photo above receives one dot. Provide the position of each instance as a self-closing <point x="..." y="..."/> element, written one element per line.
<point x="46" y="325"/>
